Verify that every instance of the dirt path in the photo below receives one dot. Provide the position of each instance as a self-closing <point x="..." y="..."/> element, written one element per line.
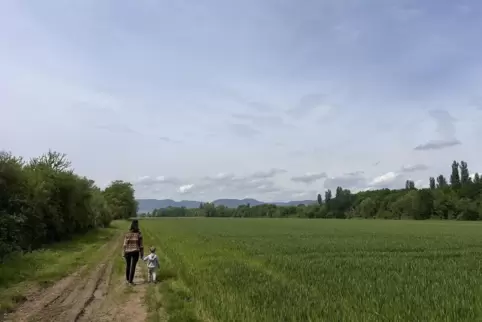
<point x="93" y="293"/>
<point x="125" y="303"/>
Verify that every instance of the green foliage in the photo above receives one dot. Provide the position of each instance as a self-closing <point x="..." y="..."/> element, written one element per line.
<point x="319" y="199"/>
<point x="409" y="185"/>
<point x="332" y="270"/>
<point x="120" y="196"/>
<point x="455" y="175"/>
<point x="441" y="181"/>
<point x="461" y="200"/>
<point x="44" y="201"/>
<point x="432" y="183"/>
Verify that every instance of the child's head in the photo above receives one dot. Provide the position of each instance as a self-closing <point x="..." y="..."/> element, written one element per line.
<point x="152" y="249"/>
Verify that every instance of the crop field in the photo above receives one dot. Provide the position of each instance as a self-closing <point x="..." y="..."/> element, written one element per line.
<point x="317" y="270"/>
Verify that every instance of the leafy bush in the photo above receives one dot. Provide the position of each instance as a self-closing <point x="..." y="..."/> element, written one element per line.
<point x="44" y="201"/>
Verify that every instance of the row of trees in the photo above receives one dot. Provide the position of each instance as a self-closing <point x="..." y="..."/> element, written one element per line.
<point x="458" y="198"/>
<point x="44" y="201"/>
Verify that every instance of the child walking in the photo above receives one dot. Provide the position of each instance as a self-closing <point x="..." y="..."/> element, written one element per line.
<point x="152" y="265"/>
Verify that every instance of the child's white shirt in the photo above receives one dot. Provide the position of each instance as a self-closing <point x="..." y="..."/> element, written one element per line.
<point x="152" y="261"/>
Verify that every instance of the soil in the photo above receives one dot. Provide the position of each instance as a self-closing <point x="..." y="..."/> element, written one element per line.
<point x="90" y="294"/>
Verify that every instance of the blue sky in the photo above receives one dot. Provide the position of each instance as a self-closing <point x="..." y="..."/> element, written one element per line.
<point x="275" y="100"/>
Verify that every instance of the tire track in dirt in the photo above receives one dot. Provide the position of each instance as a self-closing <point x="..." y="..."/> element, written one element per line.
<point x="71" y="297"/>
<point x="38" y="301"/>
<point x="97" y="297"/>
<point x="131" y="307"/>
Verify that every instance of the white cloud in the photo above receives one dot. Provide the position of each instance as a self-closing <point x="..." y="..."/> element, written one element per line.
<point x="386" y="178"/>
<point x="421" y="184"/>
<point x="414" y="168"/>
<point x="310" y="194"/>
<point x="352" y="180"/>
<point x="446" y="130"/>
<point x="437" y="144"/>
<point x="309" y="177"/>
<point x="185" y="188"/>
<point x="149" y="181"/>
<point x="472" y="175"/>
<point x="221" y="177"/>
<point x="267" y="174"/>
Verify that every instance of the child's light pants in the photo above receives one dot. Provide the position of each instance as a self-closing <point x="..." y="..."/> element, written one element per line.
<point x="151" y="274"/>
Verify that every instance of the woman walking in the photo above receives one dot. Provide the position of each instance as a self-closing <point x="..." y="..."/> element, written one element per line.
<point x="133" y="248"/>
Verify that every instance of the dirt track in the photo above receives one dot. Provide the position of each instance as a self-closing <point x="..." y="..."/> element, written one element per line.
<point x="90" y="294"/>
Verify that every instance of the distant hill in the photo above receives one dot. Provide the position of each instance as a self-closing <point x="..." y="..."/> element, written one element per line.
<point x="234" y="203"/>
<point x="147" y="205"/>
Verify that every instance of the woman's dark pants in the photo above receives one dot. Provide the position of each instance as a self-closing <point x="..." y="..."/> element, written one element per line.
<point x="131" y="262"/>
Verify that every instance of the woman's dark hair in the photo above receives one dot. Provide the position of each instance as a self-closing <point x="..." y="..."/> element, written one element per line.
<point x="135" y="226"/>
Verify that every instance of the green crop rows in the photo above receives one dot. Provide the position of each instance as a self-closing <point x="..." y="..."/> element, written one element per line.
<point x="324" y="270"/>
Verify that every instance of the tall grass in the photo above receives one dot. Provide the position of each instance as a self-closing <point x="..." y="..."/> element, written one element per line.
<point x="302" y="270"/>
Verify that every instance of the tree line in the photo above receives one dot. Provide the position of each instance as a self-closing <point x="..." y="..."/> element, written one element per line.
<point x="43" y="201"/>
<point x="459" y="198"/>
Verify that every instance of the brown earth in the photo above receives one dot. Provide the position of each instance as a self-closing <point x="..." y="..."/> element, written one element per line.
<point x="95" y="293"/>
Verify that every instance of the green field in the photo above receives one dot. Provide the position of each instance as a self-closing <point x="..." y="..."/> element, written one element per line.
<point x="323" y="270"/>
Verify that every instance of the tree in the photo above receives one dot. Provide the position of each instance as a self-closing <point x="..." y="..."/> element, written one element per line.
<point x="441" y="181"/>
<point x="327" y="196"/>
<point x="455" y="176"/>
<point x="464" y="173"/>
<point x="44" y="201"/>
<point x="210" y="210"/>
<point x="467" y="210"/>
<point x="367" y="208"/>
<point x="120" y="198"/>
<point x="441" y="204"/>
<point x="477" y="178"/>
<point x="12" y="198"/>
<point x="432" y="183"/>
<point x="404" y="206"/>
<point x="320" y="201"/>
<point x="423" y="204"/>
<point x="409" y="185"/>
<point x="338" y="192"/>
<point x="52" y="160"/>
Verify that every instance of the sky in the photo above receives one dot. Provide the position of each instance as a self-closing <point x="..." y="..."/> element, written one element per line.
<point x="275" y="99"/>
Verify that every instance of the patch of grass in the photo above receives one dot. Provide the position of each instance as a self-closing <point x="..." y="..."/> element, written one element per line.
<point x="169" y="299"/>
<point x="21" y="274"/>
<point x="154" y="303"/>
<point x="178" y="299"/>
<point x="319" y="270"/>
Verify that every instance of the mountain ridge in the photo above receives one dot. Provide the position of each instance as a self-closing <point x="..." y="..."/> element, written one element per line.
<point x="147" y="205"/>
